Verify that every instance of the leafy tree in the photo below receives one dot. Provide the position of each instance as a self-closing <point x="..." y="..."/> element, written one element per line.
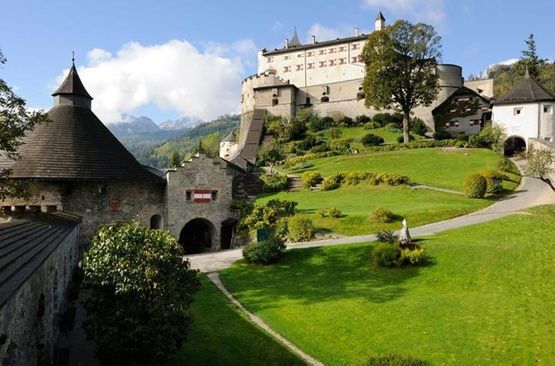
<point x="400" y="69"/>
<point x="175" y="159"/>
<point x="530" y="58"/>
<point x="269" y="154"/>
<point x="539" y="162"/>
<point x="141" y="293"/>
<point x="15" y="121"/>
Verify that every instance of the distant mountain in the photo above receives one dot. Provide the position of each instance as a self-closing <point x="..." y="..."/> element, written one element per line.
<point x="179" y="124"/>
<point x="131" y="125"/>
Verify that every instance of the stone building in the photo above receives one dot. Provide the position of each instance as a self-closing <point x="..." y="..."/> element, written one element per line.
<point x="525" y="112"/>
<point x="327" y="76"/>
<point x="37" y="257"/>
<point x="73" y="163"/>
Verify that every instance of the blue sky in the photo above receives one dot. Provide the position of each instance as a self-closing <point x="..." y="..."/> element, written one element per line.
<point x="167" y="59"/>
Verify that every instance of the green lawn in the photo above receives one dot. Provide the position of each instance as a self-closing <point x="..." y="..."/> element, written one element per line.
<point x="419" y="206"/>
<point x="220" y="335"/>
<point x="444" y="168"/>
<point x="356" y="133"/>
<point x="487" y="298"/>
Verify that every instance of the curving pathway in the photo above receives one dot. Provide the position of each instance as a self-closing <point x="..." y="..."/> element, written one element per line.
<point x="531" y="192"/>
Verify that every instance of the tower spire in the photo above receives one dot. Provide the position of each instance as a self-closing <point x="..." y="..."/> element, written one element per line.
<point x="73" y="58"/>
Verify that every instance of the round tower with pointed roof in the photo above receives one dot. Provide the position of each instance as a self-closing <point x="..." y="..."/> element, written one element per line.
<point x="379" y="24"/>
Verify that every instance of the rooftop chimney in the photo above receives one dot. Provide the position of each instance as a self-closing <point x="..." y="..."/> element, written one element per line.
<point x="286" y="42"/>
<point x="313" y="39"/>
<point x="357" y="32"/>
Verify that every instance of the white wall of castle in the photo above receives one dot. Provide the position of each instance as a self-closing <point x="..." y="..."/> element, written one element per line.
<point x="535" y="120"/>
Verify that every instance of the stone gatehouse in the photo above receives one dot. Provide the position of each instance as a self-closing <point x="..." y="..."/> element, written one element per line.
<point x="73" y="163"/>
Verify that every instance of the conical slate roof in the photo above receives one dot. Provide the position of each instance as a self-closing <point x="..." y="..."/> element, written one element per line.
<point x="72" y="85"/>
<point x="295" y="40"/>
<point x="526" y="91"/>
<point x="230" y="137"/>
<point x="380" y="17"/>
<point x="75" y="145"/>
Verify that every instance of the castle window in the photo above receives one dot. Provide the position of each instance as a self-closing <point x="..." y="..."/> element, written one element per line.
<point x="310" y="65"/>
<point x="354" y="59"/>
<point x="202" y="179"/>
<point x="517" y="111"/>
<point x="287" y="58"/>
<point x="332" y="63"/>
<point x="214" y="196"/>
<point x="275" y="102"/>
<point x="331" y="50"/>
<point x="354" y="46"/>
<point x="300" y="55"/>
<point x="115" y="205"/>
<point x="547" y="109"/>
<point x="188" y="195"/>
<point x="322" y="64"/>
<point x="310" y="53"/>
<point x="342" y="49"/>
<point x="322" y="52"/>
<point x="307" y="101"/>
<point x="325" y="99"/>
<point x="300" y="67"/>
<point x="287" y="69"/>
<point x="547" y="139"/>
<point x="342" y="61"/>
<point x="270" y="59"/>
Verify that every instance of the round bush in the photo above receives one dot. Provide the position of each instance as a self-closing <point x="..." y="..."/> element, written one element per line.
<point x="372" y="125"/>
<point x="494" y="181"/>
<point x="264" y="252"/>
<point x="382" y="215"/>
<point x="418" y="126"/>
<point x="311" y="179"/>
<point x="393" y="126"/>
<point x="462" y="138"/>
<point x="300" y="229"/>
<point x="275" y="182"/>
<point x="441" y="135"/>
<point x="362" y="119"/>
<point x="475" y="186"/>
<point x="372" y="140"/>
<point x="386" y="255"/>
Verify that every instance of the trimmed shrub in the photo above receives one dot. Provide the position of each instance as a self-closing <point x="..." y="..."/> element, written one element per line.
<point x="386" y="255"/>
<point x="387" y="236"/>
<point x="340" y="144"/>
<point x="372" y="125"/>
<point x="391" y="179"/>
<point x="382" y="215"/>
<point x="362" y="119"/>
<point x="346" y="121"/>
<point x="381" y="118"/>
<point x="264" y="252"/>
<point x="462" y="138"/>
<point x="316" y="124"/>
<point x="269" y="154"/>
<point x="395" y="360"/>
<point x="400" y="139"/>
<point x="491" y="137"/>
<point x="418" y="126"/>
<point x="412" y="257"/>
<point x="284" y="207"/>
<point x="311" y="179"/>
<point x="494" y="181"/>
<point x="330" y="212"/>
<point x="300" y="229"/>
<point x="475" y="186"/>
<point x="332" y="182"/>
<point x="442" y="135"/>
<point x="372" y="140"/>
<point x="392" y="126"/>
<point x="275" y="182"/>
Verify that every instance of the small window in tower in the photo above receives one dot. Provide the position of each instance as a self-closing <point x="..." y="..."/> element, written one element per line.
<point x="188" y="195"/>
<point x="115" y="205"/>
<point x="307" y="101"/>
<point x="325" y="99"/>
<point x="275" y="102"/>
<point x="547" y="109"/>
<point x="517" y="111"/>
<point x="322" y="52"/>
<point x="547" y="139"/>
<point x="214" y="196"/>
<point x="322" y="64"/>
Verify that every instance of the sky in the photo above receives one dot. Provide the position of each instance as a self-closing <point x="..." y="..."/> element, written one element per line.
<point x="168" y="59"/>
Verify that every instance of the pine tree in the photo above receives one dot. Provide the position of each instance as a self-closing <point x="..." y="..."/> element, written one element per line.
<point x="530" y="58"/>
<point x="175" y="159"/>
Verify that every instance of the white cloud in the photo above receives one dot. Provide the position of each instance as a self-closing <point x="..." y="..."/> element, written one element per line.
<point x="324" y="33"/>
<point x="432" y="11"/>
<point x="174" y="76"/>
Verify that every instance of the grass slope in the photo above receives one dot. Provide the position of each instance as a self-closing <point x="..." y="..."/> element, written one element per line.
<point x="419" y="206"/>
<point x="220" y="335"/>
<point x="486" y="299"/>
<point x="435" y="167"/>
<point x="356" y="133"/>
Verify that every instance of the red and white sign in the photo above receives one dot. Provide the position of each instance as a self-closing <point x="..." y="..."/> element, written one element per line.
<point x="202" y="196"/>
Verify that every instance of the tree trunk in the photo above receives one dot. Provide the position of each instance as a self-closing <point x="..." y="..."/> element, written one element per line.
<point x="406" y="127"/>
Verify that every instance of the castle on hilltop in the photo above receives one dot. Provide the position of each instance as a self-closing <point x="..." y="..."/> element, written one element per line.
<point x="327" y="76"/>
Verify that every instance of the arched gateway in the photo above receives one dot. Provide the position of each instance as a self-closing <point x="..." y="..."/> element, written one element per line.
<point x="514" y="145"/>
<point x="197" y="236"/>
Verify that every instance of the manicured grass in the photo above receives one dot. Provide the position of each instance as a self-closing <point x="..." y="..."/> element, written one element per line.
<point x="444" y="168"/>
<point x="220" y="335"/>
<point x="419" y="206"/>
<point x="356" y="133"/>
<point x="486" y="298"/>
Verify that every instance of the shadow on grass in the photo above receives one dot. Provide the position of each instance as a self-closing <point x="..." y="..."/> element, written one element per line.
<point x="316" y="275"/>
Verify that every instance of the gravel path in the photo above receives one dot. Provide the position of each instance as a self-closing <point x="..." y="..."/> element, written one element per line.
<point x="531" y="192"/>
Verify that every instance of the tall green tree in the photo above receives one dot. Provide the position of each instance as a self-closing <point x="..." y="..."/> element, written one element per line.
<point x="15" y="121"/>
<point x="175" y="159"/>
<point x="531" y="59"/>
<point x="400" y="69"/>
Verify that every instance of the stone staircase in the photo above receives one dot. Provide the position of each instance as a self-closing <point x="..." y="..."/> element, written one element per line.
<point x="295" y="183"/>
